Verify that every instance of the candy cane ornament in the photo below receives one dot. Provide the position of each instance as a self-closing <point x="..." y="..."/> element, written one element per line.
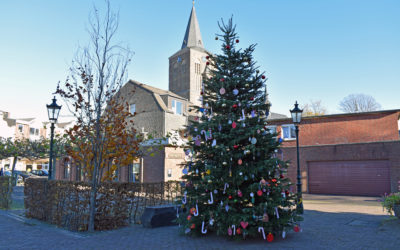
<point x="184" y="198"/>
<point x="234" y="229"/>
<point x="261" y="230"/>
<point x="197" y="211"/>
<point x="226" y="186"/>
<point x="211" y="201"/>
<point x="203" y="231"/>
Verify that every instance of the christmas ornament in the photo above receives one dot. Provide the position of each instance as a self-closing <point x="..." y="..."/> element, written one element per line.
<point x="184" y="198"/>
<point x="211" y="222"/>
<point x="276" y="212"/>
<point x="265" y="217"/>
<point x="196" y="212"/>
<point x="240" y="161"/>
<point x="257" y="71"/>
<point x="263" y="76"/>
<point x="214" y="143"/>
<point x="192" y="210"/>
<point x="223" y="105"/>
<point x="230" y="231"/>
<point x="261" y="230"/>
<point x="237" y="41"/>
<point x="233" y="229"/>
<point x="203" y="230"/>
<point x="233" y="124"/>
<point x="227" y="208"/>
<point x="185" y="171"/>
<point x="296" y="228"/>
<point x="235" y="146"/>
<point x="187" y="230"/>
<point x="207" y="63"/>
<point x="240" y="193"/>
<point x="222" y="80"/>
<point x="224" y="163"/>
<point x="189" y="217"/>
<point x="270" y="237"/>
<point x="259" y="192"/>
<point x="230" y="197"/>
<point x="244" y="224"/>
<point x="238" y="231"/>
<point x="211" y="200"/>
<point x="222" y="91"/>
<point x="253" y="140"/>
<point x="215" y="191"/>
<point x="207" y="57"/>
<point x="251" y="194"/>
<point x="235" y="91"/>
<point x="193" y="226"/>
<point x="228" y="47"/>
<point x="283" y="234"/>
<point x="234" y="106"/>
<point x="225" y="186"/>
<point x="216" y="38"/>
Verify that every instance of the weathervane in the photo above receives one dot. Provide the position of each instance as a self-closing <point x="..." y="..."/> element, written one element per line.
<point x="193" y="2"/>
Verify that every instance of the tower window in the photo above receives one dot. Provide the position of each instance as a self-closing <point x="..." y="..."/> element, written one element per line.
<point x="197" y="68"/>
<point x="177" y="107"/>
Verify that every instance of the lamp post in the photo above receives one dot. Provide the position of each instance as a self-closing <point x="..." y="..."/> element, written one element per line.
<point x="53" y="111"/>
<point x="296" y="116"/>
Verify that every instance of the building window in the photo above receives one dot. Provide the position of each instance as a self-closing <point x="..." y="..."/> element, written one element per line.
<point x="169" y="172"/>
<point x="135" y="172"/>
<point x="37" y="131"/>
<point x="132" y="108"/>
<point x="177" y="107"/>
<point x="197" y="68"/>
<point x="67" y="170"/>
<point x="20" y="127"/>
<point x="31" y="131"/>
<point x="288" y="132"/>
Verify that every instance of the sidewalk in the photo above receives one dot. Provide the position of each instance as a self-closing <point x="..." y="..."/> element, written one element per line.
<point x="330" y="222"/>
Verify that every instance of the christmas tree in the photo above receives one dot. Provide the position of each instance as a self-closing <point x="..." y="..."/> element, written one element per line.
<point x="235" y="184"/>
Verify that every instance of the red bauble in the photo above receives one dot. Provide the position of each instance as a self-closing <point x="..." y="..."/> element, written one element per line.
<point x="207" y="63"/>
<point x="282" y="176"/>
<point x="238" y="231"/>
<point x="296" y="229"/>
<point x="189" y="217"/>
<point x="287" y="192"/>
<point x="230" y="197"/>
<point x="237" y="40"/>
<point x="235" y="146"/>
<point x="192" y="226"/>
<point x="274" y="180"/>
<point x="234" y="106"/>
<point x="233" y="124"/>
<point x="207" y="57"/>
<point x="251" y="98"/>
<point x="222" y="79"/>
<point x="193" y="210"/>
<point x="201" y="93"/>
<point x="270" y="237"/>
<point x="259" y="192"/>
<point x="263" y="76"/>
<point x="228" y="47"/>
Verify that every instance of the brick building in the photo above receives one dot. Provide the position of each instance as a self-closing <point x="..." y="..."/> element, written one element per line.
<point x="355" y="154"/>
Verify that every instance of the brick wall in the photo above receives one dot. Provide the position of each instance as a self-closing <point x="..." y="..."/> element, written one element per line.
<point x="341" y="129"/>
<point x="388" y="150"/>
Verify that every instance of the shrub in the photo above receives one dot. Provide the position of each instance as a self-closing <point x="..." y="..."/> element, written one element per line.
<point x="389" y="201"/>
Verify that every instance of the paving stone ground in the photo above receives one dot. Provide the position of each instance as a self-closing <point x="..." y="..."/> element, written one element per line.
<point x="330" y="222"/>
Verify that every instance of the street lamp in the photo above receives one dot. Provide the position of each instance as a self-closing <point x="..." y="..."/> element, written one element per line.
<point x="53" y="110"/>
<point x="296" y="116"/>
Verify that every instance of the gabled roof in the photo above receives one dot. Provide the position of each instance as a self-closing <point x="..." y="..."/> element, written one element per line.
<point x="192" y="36"/>
<point x="157" y="93"/>
<point x="273" y="116"/>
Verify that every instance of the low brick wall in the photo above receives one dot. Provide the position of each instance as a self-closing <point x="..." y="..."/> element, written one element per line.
<point x="66" y="203"/>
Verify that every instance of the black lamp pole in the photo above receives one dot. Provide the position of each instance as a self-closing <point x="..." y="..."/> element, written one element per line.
<point x="51" y="151"/>
<point x="296" y="116"/>
<point x="53" y="110"/>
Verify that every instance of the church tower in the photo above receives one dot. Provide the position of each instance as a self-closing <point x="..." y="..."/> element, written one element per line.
<point x="187" y="65"/>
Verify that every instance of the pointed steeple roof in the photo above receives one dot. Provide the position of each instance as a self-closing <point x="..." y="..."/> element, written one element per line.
<point x="192" y="36"/>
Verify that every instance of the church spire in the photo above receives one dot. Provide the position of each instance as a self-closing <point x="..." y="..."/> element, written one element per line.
<point x="192" y="36"/>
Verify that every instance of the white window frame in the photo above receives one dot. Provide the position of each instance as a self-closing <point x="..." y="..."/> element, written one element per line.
<point x="174" y="107"/>
<point x="291" y="136"/>
<point x="134" y="108"/>
<point x="20" y="128"/>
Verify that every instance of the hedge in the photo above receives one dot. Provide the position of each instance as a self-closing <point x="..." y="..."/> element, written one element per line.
<point x="5" y="195"/>
<point x="66" y="203"/>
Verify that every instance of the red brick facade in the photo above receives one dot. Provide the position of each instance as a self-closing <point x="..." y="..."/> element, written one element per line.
<point x="344" y="137"/>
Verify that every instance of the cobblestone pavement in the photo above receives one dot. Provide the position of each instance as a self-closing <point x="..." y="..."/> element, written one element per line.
<point x="330" y="222"/>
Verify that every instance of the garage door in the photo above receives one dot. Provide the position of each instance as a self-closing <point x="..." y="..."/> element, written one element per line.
<point x="371" y="178"/>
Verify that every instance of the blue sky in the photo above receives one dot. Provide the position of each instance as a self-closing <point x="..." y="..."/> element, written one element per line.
<point x="310" y="49"/>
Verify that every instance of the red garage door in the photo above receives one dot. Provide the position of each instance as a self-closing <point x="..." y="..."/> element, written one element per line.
<point x="370" y="178"/>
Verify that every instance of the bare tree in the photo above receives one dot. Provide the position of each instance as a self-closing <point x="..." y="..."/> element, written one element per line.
<point x="96" y="75"/>
<point x="355" y="103"/>
<point x="314" y="108"/>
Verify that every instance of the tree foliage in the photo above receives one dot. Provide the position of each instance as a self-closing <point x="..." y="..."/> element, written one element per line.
<point x="96" y="76"/>
<point x="236" y="186"/>
<point x="355" y="103"/>
<point x="314" y="108"/>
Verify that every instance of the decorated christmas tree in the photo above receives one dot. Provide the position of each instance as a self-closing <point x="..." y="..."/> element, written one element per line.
<point x="235" y="184"/>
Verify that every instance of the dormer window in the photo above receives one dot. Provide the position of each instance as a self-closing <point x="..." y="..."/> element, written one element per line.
<point x="177" y="107"/>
